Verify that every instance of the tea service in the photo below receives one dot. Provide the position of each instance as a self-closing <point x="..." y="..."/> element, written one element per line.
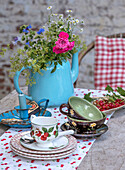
<point x="83" y="116"/>
<point x="44" y="140"/>
<point x="44" y="137"/>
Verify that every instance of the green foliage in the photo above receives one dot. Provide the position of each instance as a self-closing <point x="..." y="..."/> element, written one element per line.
<point x="120" y="91"/>
<point x="109" y="89"/>
<point x="112" y="96"/>
<point x="88" y="98"/>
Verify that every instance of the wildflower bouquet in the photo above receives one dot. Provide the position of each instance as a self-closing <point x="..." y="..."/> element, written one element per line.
<point x="53" y="43"/>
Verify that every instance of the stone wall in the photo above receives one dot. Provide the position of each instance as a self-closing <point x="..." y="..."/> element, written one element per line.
<point x="102" y="17"/>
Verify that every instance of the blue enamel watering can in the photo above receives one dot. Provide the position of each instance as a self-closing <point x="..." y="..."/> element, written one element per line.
<point x="56" y="86"/>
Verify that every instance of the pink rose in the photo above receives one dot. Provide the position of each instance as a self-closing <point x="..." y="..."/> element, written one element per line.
<point x="63" y="35"/>
<point x="62" y="44"/>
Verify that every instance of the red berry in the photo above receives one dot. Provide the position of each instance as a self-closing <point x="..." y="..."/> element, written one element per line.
<point x="38" y="134"/>
<point x="46" y="134"/>
<point x="54" y="132"/>
<point x="43" y="138"/>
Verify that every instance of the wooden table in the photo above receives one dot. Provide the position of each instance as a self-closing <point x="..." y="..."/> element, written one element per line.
<point x="107" y="153"/>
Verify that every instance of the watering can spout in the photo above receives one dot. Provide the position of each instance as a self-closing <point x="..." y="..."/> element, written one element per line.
<point x="75" y="66"/>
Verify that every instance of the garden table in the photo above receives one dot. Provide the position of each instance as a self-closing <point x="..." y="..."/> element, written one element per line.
<point x="107" y="152"/>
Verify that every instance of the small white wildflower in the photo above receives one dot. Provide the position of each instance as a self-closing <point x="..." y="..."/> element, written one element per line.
<point x="55" y="14"/>
<point x="82" y="22"/>
<point x="69" y="11"/>
<point x="81" y="30"/>
<point x="77" y="21"/>
<point x="19" y="38"/>
<point x="14" y="42"/>
<point x="61" y="27"/>
<point x="70" y="28"/>
<point x="54" y="22"/>
<point x="69" y="16"/>
<point x="73" y="22"/>
<point x="50" y="7"/>
<point x="73" y="35"/>
<point x="61" y="15"/>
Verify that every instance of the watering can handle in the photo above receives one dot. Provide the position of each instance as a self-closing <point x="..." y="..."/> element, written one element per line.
<point x="16" y="81"/>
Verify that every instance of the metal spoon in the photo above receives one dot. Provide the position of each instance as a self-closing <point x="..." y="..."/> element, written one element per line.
<point x="27" y="139"/>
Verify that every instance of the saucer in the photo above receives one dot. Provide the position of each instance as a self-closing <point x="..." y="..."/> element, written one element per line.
<point x="11" y="117"/>
<point x="87" y="134"/>
<point x="56" y="144"/>
<point x="15" y="142"/>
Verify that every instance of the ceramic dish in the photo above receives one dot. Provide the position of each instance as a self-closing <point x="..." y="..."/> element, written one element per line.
<point x="88" y="134"/>
<point x="15" y="142"/>
<point x="42" y="156"/>
<point x="11" y="118"/>
<point x="109" y="111"/>
<point x="81" y="109"/>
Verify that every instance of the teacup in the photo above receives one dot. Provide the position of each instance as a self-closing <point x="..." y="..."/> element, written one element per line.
<point x="86" y="123"/>
<point x="79" y="108"/>
<point x="45" y="129"/>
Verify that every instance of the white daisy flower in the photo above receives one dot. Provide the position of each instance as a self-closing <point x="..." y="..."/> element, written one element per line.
<point x="61" y="15"/>
<point x="81" y="30"/>
<point x="77" y="21"/>
<point x="69" y="11"/>
<point x="69" y="16"/>
<point x="50" y="7"/>
<point x="73" y="35"/>
<point x="55" y="14"/>
<point x="82" y="22"/>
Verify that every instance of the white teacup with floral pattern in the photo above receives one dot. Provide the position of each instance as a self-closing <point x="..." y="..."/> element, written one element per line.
<point x="45" y="129"/>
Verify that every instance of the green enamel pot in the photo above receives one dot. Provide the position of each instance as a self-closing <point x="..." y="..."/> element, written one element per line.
<point x="81" y="109"/>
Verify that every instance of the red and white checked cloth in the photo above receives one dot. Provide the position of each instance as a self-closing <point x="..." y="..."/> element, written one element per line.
<point x="109" y="63"/>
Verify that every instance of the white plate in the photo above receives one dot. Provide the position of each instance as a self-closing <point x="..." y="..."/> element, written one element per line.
<point x="42" y="156"/>
<point x="114" y="109"/>
<point x="58" y="143"/>
<point x="15" y="142"/>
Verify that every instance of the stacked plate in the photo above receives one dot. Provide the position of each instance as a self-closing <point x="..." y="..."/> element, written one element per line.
<point x="62" y="147"/>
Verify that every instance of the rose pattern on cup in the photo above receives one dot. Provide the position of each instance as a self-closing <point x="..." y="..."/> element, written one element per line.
<point x="44" y="134"/>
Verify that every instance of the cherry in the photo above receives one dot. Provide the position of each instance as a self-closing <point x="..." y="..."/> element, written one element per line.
<point x="54" y="132"/>
<point x="43" y="138"/>
<point x="46" y="134"/>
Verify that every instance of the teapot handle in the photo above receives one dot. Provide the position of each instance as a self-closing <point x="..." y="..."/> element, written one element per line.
<point x="62" y="106"/>
<point x="16" y="81"/>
